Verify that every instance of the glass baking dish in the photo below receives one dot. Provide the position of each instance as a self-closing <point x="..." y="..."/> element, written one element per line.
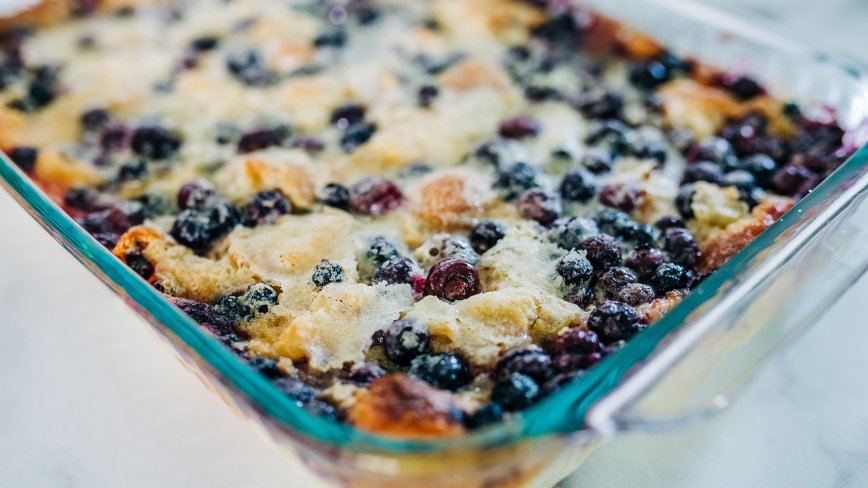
<point x="686" y="366"/>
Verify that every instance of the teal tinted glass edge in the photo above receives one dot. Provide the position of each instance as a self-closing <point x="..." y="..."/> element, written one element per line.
<point x="562" y="412"/>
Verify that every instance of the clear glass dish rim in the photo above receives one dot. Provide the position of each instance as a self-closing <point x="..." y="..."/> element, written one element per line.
<point x="561" y="413"/>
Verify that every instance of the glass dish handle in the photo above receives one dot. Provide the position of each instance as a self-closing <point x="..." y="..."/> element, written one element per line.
<point x="784" y="289"/>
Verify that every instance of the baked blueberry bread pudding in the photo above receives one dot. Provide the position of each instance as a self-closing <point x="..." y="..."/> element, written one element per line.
<point x="414" y="217"/>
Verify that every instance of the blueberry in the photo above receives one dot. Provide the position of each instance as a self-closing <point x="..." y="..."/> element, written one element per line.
<point x="740" y="179"/>
<point x="668" y="276"/>
<point x="745" y="88"/>
<point x="486" y="235"/>
<point x="334" y="39"/>
<point x="356" y="135"/>
<point x="761" y="166"/>
<point x="516" y="179"/>
<point x="266" y="367"/>
<point x="115" y="219"/>
<point x="204" y="43"/>
<point x="115" y="137"/>
<point x="613" y="280"/>
<point x="414" y="170"/>
<point x="577" y="341"/>
<point x="140" y="264"/>
<point x="442" y="370"/>
<point x="642" y="235"/>
<point x="575" y="268"/>
<point x="703" y="171"/>
<point x="578" y="186"/>
<point x="644" y="261"/>
<point x="132" y="170"/>
<point x="195" y="194"/>
<point x="308" y="143"/>
<point x="375" y="196"/>
<point x="42" y="90"/>
<point x="405" y="340"/>
<point x="327" y="272"/>
<point x="791" y="179"/>
<point x="233" y="309"/>
<point x="486" y="415"/>
<point x="681" y="246"/>
<point x="562" y="28"/>
<point x="569" y="232"/>
<point x="539" y="205"/>
<point x="614" y="222"/>
<point x="452" y="279"/>
<point x="614" y="321"/>
<point x="154" y="142"/>
<point x="668" y="221"/>
<point x="649" y="75"/>
<point x="530" y="361"/>
<point x="94" y="119"/>
<point x="603" y="251"/>
<point x="258" y="139"/>
<point x="571" y="363"/>
<point x="199" y="228"/>
<point x="205" y="315"/>
<point x="636" y="294"/>
<point x="714" y="149"/>
<point x="248" y="68"/>
<point x="600" y="104"/>
<point x="381" y="250"/>
<point x="519" y="127"/>
<point x="747" y="134"/>
<point x="81" y="198"/>
<point x="516" y="392"/>
<point x="365" y="14"/>
<point x="597" y="160"/>
<point x="296" y="389"/>
<point x="539" y="93"/>
<point x="613" y="134"/>
<point x="582" y="298"/>
<point x="655" y="150"/>
<point x="673" y="63"/>
<point x="436" y="65"/>
<point x="347" y="114"/>
<point x="684" y="201"/>
<point x="426" y="95"/>
<point x="336" y="195"/>
<point x="265" y="207"/>
<point x="260" y="297"/>
<point x="24" y="157"/>
<point x="154" y="204"/>
<point x="399" y="270"/>
<point x="624" y="197"/>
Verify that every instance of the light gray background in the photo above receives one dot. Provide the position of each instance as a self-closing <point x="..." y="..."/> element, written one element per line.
<point x="89" y="399"/>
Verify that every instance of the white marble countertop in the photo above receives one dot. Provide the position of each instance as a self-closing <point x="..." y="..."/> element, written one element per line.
<point x="89" y="399"/>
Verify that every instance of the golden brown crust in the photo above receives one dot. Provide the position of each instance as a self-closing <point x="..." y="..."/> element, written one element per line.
<point x="726" y="243"/>
<point x="469" y="75"/>
<point x="655" y="310"/>
<point x="452" y="201"/>
<point x="402" y="406"/>
<point x="134" y="240"/>
<point x="46" y="12"/>
<point x="42" y="13"/>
